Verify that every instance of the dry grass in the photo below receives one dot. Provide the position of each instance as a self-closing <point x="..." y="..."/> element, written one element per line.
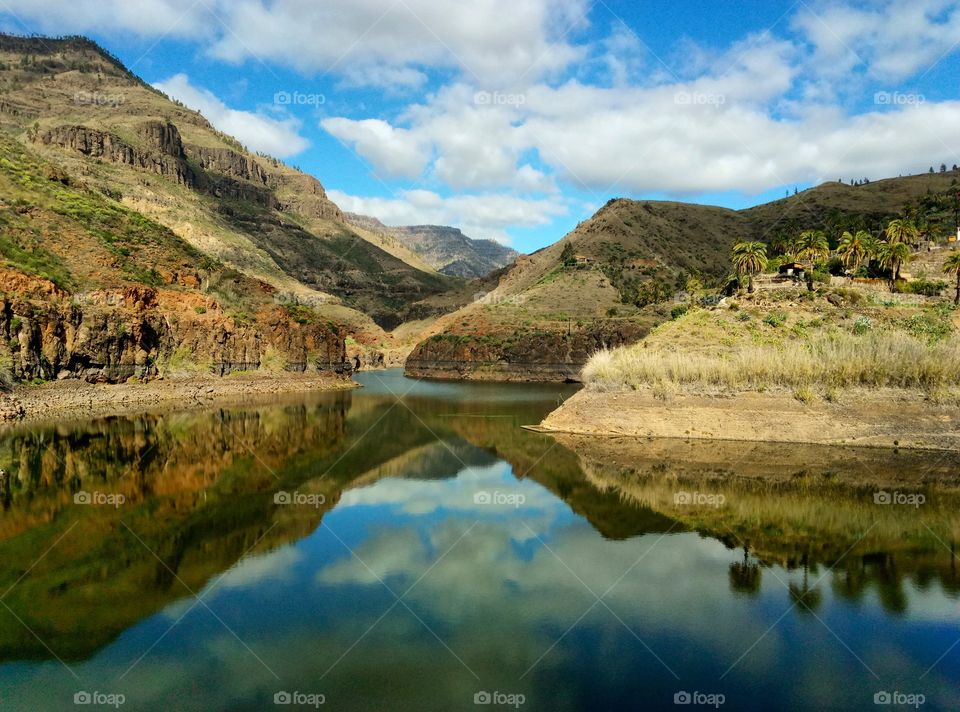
<point x="837" y="360"/>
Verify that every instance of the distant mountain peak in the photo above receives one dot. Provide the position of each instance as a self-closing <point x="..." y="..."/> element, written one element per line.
<point x="444" y="248"/>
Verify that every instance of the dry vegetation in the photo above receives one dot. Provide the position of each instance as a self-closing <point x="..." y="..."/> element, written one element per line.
<point x="817" y="345"/>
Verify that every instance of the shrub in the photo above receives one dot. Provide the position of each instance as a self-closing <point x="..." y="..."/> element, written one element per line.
<point x="924" y="287"/>
<point x="678" y="311"/>
<point x="775" y="319"/>
<point x="862" y="325"/>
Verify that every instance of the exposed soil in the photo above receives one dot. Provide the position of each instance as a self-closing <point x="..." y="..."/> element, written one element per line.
<point x="72" y="398"/>
<point x="885" y="418"/>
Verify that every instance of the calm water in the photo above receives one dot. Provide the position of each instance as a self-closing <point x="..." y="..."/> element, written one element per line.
<point x="409" y="547"/>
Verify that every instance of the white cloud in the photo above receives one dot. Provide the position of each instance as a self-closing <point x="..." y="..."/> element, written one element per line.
<point x="277" y="137"/>
<point x="893" y="39"/>
<point x="481" y="216"/>
<point x="490" y="40"/>
<point x="395" y="152"/>
<point x="146" y="18"/>
<point x="732" y="129"/>
<point x="377" y="42"/>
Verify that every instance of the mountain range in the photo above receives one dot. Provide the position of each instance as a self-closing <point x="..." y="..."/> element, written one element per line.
<point x="138" y="240"/>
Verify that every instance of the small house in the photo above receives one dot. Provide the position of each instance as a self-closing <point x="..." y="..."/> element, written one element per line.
<point x="792" y="269"/>
<point x="583" y="260"/>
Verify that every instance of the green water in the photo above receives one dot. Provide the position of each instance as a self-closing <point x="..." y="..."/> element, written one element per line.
<point x="408" y="546"/>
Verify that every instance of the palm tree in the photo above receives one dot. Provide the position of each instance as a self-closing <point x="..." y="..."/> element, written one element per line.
<point x="953" y="267"/>
<point x="748" y="259"/>
<point x="892" y="256"/>
<point x="780" y="243"/>
<point x="813" y="246"/>
<point x="853" y="248"/>
<point x="902" y="231"/>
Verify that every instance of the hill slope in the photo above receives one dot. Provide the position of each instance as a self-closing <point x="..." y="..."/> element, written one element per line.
<point x="635" y="262"/>
<point x="81" y="110"/>
<point x="445" y="249"/>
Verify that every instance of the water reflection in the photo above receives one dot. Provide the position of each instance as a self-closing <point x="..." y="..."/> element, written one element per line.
<point x="586" y="585"/>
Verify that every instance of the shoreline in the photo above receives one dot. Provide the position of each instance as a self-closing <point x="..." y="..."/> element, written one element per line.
<point x="68" y="399"/>
<point x="876" y="419"/>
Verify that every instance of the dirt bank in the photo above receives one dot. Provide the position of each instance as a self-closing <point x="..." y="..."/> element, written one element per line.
<point x="72" y="398"/>
<point x="883" y="418"/>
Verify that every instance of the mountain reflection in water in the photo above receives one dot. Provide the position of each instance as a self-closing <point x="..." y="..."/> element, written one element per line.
<point x="433" y="549"/>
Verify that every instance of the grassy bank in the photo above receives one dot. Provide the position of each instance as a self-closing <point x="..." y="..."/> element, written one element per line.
<point x="810" y="344"/>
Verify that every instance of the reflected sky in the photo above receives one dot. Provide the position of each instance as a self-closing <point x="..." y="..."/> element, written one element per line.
<point x="475" y="560"/>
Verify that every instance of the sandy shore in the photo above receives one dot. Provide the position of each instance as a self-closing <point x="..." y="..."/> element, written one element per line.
<point x="861" y="418"/>
<point x="66" y="399"/>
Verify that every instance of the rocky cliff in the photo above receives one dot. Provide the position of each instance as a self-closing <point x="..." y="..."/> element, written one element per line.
<point x="141" y="332"/>
<point x="543" y="356"/>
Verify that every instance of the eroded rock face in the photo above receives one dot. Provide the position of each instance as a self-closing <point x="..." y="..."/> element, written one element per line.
<point x="523" y="357"/>
<point x="162" y="153"/>
<point x="222" y="172"/>
<point x="135" y="334"/>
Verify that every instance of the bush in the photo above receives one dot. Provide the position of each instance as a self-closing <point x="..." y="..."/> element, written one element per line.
<point x="862" y="325"/>
<point x="775" y="319"/>
<point x="678" y="311"/>
<point x="924" y="287"/>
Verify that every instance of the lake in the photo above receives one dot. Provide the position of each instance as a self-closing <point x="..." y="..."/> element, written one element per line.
<point x="409" y="546"/>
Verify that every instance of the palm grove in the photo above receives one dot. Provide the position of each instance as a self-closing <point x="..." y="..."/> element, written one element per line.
<point x="857" y="253"/>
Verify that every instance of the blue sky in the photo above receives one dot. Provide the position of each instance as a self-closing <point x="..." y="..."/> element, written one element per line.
<point x="516" y="119"/>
